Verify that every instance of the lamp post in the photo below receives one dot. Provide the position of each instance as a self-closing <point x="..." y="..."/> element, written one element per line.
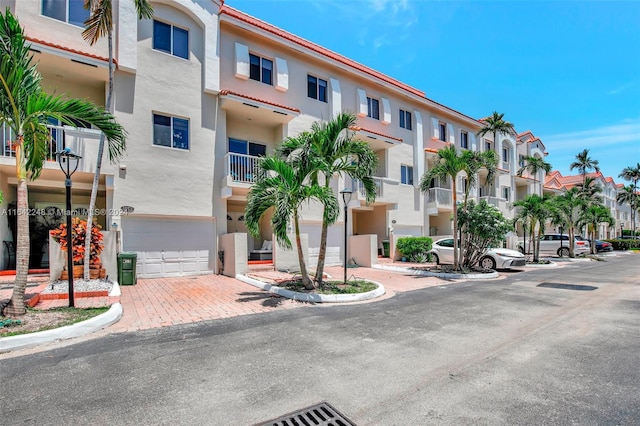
<point x="69" y="161"/>
<point x="346" y="197"/>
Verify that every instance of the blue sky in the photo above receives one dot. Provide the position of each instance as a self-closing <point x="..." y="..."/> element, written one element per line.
<point x="568" y="71"/>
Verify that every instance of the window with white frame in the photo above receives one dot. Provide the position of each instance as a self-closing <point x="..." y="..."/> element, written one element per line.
<point x="170" y="39"/>
<point x="488" y="146"/>
<point x="506" y="193"/>
<point x="70" y="11"/>
<point x="442" y="131"/>
<point x="463" y="184"/>
<point x="505" y="155"/>
<point x="170" y="131"/>
<point x="261" y="69"/>
<point x="373" y="108"/>
<point x="405" y="119"/>
<point x="520" y="160"/>
<point x="316" y="88"/>
<point x="464" y="139"/>
<point x="406" y="174"/>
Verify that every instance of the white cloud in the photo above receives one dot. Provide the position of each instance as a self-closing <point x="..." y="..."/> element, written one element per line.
<point x="626" y="132"/>
<point x="622" y="88"/>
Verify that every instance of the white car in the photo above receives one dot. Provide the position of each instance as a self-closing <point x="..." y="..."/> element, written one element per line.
<point x="494" y="258"/>
<point x="558" y="244"/>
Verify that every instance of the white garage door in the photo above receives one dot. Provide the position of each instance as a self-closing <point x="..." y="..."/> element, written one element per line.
<point x="170" y="247"/>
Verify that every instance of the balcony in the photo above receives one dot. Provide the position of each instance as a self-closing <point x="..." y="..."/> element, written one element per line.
<point x="239" y="175"/>
<point x="439" y="199"/>
<point x="384" y="188"/>
<point x="362" y="194"/>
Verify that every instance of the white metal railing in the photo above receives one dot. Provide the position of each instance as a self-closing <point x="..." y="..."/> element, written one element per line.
<point x="440" y="196"/>
<point x="377" y="181"/>
<point x="494" y="201"/>
<point x="242" y="167"/>
<point x="54" y="144"/>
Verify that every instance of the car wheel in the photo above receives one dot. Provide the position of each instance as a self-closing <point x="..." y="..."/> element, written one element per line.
<point x="436" y="259"/>
<point x="487" y="263"/>
<point x="563" y="252"/>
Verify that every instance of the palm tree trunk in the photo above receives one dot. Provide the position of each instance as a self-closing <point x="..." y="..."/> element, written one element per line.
<point x="454" y="198"/>
<point x="536" y="254"/>
<point x="96" y="176"/>
<point x="16" y="305"/>
<point x="572" y="234"/>
<point x="323" y="244"/>
<point x="306" y="280"/>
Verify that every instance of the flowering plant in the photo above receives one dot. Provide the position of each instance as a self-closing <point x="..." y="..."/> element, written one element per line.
<point x="78" y="233"/>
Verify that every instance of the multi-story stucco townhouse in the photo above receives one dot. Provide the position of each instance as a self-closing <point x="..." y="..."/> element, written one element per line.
<point x="203" y="91"/>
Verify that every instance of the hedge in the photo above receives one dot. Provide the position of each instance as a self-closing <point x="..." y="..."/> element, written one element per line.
<point x="625" y="244"/>
<point x="411" y="247"/>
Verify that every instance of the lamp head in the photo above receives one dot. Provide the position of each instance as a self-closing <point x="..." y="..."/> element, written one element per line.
<point x="346" y="195"/>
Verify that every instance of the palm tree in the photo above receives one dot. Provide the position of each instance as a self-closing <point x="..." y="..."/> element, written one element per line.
<point x="628" y="195"/>
<point x="632" y="174"/>
<point x="448" y="164"/>
<point x="568" y="208"/>
<point x="100" y="24"/>
<point x="332" y="147"/>
<point x="593" y="216"/>
<point x="495" y="124"/>
<point x="583" y="163"/>
<point x="534" y="210"/>
<point x="284" y="186"/>
<point x="25" y="109"/>
<point x="534" y="165"/>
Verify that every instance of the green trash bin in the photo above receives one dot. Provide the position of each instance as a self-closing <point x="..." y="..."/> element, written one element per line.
<point x="385" y="248"/>
<point x="127" y="268"/>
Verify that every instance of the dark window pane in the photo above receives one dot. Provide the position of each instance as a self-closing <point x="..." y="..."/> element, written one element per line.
<point x="402" y="119"/>
<point x="77" y="13"/>
<point x="254" y="67"/>
<point x="267" y="71"/>
<point x="180" y="133"/>
<point x="55" y="9"/>
<point x="410" y="175"/>
<point x="161" y="36"/>
<point x="322" y="90"/>
<point x="376" y="109"/>
<point x="161" y="130"/>
<point x="443" y="132"/>
<point x="257" y="149"/>
<point x="237" y="146"/>
<point x="408" y="120"/>
<point x="312" y="86"/>
<point x="180" y="43"/>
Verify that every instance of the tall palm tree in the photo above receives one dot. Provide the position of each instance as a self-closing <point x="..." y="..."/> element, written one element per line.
<point x="495" y="124"/>
<point x="335" y="152"/>
<point x="284" y="186"/>
<point x="629" y="195"/>
<point x="589" y="191"/>
<point x="100" y="24"/>
<point x="568" y="207"/>
<point x="534" y="210"/>
<point x="25" y="109"/>
<point x="632" y="174"/>
<point x="448" y="164"/>
<point x="584" y="163"/>
<point x="593" y="216"/>
<point x="534" y="165"/>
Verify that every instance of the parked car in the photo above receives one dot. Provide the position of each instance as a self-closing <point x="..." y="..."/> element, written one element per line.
<point x="558" y="244"/>
<point x="494" y="258"/>
<point x="603" y="246"/>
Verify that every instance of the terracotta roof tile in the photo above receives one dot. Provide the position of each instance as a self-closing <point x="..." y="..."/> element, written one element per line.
<point x="358" y="129"/>
<point x="252" y="98"/>
<point x="68" y="49"/>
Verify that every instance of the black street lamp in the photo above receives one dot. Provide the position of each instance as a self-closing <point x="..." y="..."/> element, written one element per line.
<point x="346" y="197"/>
<point x="69" y="161"/>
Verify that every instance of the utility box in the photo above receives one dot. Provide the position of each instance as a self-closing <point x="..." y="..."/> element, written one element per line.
<point x="127" y="268"/>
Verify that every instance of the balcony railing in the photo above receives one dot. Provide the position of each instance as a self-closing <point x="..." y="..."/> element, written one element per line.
<point x="440" y="196"/>
<point x="494" y="201"/>
<point x="242" y="167"/>
<point x="55" y="141"/>
<point x="377" y="181"/>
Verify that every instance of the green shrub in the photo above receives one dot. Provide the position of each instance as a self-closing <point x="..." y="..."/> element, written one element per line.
<point x="411" y="247"/>
<point x="625" y="244"/>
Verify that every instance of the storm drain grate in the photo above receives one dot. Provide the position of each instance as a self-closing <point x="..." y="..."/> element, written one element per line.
<point x="568" y="286"/>
<point x="322" y="414"/>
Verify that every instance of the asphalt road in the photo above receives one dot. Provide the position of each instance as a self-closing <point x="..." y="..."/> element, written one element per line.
<point x="472" y="353"/>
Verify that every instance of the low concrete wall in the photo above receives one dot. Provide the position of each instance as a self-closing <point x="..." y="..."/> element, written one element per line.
<point x="287" y="260"/>
<point x="364" y="249"/>
<point x="234" y="246"/>
<point x="108" y="257"/>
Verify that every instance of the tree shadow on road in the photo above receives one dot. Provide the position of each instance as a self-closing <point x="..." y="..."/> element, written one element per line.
<point x="268" y="299"/>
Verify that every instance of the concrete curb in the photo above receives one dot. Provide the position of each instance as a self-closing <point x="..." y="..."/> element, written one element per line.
<point x="91" y="325"/>
<point x="314" y="298"/>
<point x="542" y="265"/>
<point x="420" y="273"/>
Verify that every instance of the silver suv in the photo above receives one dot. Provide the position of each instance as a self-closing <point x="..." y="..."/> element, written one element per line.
<point x="559" y="244"/>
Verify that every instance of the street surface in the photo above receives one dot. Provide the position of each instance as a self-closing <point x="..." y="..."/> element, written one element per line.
<point x="471" y="353"/>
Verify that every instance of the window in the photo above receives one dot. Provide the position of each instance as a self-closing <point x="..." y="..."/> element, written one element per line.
<point x="464" y="140"/>
<point x="172" y="132"/>
<point x="521" y="160"/>
<point x="487" y="145"/>
<point x="260" y="69"/>
<point x="506" y="193"/>
<point x="170" y="39"/>
<point x="317" y="88"/>
<point x="71" y="11"/>
<point x="406" y="175"/>
<point x="464" y="184"/>
<point x="239" y="146"/>
<point x="442" y="130"/>
<point x="505" y="155"/>
<point x="373" y="108"/>
<point x="405" y="119"/>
